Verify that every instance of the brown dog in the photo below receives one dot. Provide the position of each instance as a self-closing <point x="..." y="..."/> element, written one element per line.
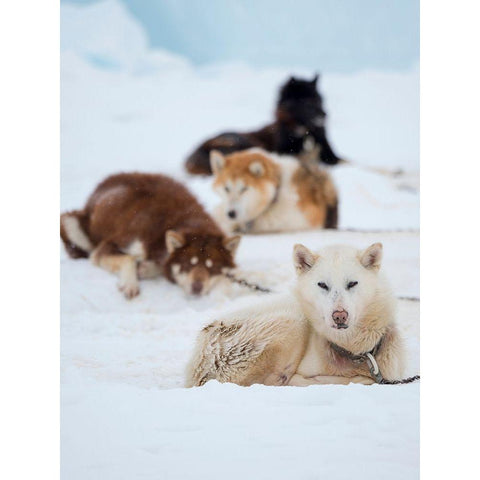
<point x="263" y="192"/>
<point x="140" y="226"/>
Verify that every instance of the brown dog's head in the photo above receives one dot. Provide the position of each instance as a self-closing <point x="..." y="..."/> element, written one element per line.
<point x="196" y="261"/>
<point x="247" y="181"/>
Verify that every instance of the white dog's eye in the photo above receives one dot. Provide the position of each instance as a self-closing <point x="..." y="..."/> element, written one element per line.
<point x="351" y="285"/>
<point x="243" y="190"/>
<point x="323" y="285"/>
<point x="227" y="189"/>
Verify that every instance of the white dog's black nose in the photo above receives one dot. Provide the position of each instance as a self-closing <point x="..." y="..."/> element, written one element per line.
<point x="340" y="316"/>
<point x="232" y="213"/>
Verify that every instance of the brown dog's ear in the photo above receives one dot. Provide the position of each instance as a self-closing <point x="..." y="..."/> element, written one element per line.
<point x="303" y="258"/>
<point x="231" y="243"/>
<point x="256" y="168"/>
<point x="371" y="257"/>
<point x="217" y="161"/>
<point x="174" y="240"/>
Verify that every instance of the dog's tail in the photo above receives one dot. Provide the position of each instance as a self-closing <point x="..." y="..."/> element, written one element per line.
<point x="74" y="233"/>
<point x="223" y="351"/>
<point x="199" y="369"/>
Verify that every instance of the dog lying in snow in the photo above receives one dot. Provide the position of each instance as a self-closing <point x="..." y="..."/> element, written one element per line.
<point x="299" y="128"/>
<point x="262" y="192"/>
<point x="140" y="226"/>
<point x="341" y="309"/>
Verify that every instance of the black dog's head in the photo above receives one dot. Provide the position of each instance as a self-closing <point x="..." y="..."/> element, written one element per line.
<point x="300" y="103"/>
<point x="298" y="89"/>
<point x="300" y="121"/>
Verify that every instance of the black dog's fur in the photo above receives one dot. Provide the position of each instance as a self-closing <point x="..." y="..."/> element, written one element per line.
<point x="299" y="118"/>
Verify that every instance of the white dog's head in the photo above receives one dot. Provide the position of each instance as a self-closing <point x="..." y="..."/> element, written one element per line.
<point x="337" y="285"/>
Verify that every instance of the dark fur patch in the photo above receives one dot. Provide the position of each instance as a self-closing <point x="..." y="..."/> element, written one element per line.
<point x="199" y="161"/>
<point x="331" y="220"/>
<point x="240" y="353"/>
<point x="230" y="330"/>
<point x="74" y="251"/>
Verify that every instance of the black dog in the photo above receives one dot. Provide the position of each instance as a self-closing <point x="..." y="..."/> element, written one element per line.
<point x="299" y="129"/>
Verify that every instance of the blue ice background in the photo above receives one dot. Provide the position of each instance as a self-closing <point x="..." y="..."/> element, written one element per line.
<point x="330" y="35"/>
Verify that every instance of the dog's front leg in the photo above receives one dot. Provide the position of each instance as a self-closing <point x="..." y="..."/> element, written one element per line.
<point x="326" y="153"/>
<point x="148" y="269"/>
<point x="339" y="380"/>
<point x="108" y="256"/>
<point x="301" y="381"/>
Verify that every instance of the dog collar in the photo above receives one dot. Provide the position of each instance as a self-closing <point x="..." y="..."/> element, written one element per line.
<point x="275" y="197"/>
<point x="368" y="357"/>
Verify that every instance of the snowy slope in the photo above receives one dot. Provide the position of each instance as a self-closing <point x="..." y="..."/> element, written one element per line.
<point x="124" y="413"/>
<point x="229" y="432"/>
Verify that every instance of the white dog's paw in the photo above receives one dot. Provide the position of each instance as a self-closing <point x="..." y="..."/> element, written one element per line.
<point x="129" y="288"/>
<point x="362" y="380"/>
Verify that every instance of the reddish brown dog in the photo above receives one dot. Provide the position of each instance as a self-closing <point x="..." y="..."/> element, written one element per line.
<point x="141" y="225"/>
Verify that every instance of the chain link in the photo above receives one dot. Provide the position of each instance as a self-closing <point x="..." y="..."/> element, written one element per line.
<point x="398" y="382"/>
<point x="252" y="286"/>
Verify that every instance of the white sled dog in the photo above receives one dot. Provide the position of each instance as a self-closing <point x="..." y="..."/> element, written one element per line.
<point x="263" y="192"/>
<point x="340" y="315"/>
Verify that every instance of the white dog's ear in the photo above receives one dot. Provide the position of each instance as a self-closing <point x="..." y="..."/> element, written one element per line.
<point x="174" y="240"/>
<point x="257" y="169"/>
<point x="303" y="259"/>
<point x="217" y="161"/>
<point x="231" y="243"/>
<point x="371" y="257"/>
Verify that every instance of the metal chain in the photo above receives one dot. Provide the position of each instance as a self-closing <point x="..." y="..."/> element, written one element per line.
<point x="398" y="382"/>
<point x="377" y="374"/>
<point x="252" y="286"/>
<point x="409" y="299"/>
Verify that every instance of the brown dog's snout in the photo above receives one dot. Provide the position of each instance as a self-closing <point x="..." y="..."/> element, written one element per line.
<point x="199" y="277"/>
<point x="197" y="287"/>
<point x="340" y="316"/>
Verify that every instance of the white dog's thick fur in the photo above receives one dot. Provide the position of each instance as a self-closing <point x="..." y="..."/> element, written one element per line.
<point x="340" y="298"/>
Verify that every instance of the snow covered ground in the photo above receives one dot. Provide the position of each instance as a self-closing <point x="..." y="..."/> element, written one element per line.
<point x="125" y="414"/>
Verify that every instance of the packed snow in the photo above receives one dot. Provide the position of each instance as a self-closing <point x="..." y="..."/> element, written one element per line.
<point x="125" y="413"/>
